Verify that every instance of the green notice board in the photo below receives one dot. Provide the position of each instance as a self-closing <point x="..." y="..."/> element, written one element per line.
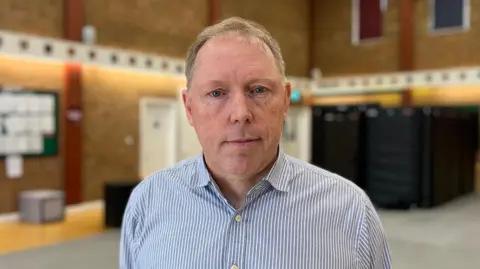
<point x="29" y="123"/>
<point x="469" y="108"/>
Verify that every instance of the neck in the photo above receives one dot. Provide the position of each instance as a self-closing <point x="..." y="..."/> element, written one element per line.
<point x="235" y="187"/>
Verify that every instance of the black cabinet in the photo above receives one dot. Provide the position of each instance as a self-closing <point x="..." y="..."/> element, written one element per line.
<point x="338" y="140"/>
<point x="393" y="156"/>
<point x="401" y="157"/>
<point x="420" y="157"/>
<point x="116" y="195"/>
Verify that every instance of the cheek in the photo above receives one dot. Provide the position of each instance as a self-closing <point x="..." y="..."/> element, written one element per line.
<point x="271" y="117"/>
<point x="202" y="113"/>
<point x="275" y="111"/>
<point x="205" y="122"/>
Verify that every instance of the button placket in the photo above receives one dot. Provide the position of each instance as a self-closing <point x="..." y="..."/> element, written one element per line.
<point x="237" y="237"/>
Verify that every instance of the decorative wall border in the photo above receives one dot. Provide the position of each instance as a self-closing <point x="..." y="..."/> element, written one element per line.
<point x="43" y="48"/>
<point x="394" y="82"/>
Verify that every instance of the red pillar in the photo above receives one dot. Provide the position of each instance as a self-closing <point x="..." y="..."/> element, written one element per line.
<point x="214" y="15"/>
<point x="311" y="36"/>
<point x="406" y="38"/>
<point x="72" y="122"/>
<point x="72" y="108"/>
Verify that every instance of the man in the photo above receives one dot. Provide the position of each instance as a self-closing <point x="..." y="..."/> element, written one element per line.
<point x="243" y="203"/>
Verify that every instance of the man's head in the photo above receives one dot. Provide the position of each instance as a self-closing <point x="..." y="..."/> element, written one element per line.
<point x="236" y="96"/>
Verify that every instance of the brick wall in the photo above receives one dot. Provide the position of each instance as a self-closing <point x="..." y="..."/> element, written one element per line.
<point x="334" y="52"/>
<point x="165" y="27"/>
<point x="288" y="22"/>
<point x="161" y="26"/>
<point x="33" y="17"/>
<point x="445" y="50"/>
<point x="336" y="55"/>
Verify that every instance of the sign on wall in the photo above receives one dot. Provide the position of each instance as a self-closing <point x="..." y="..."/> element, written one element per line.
<point x="28" y="123"/>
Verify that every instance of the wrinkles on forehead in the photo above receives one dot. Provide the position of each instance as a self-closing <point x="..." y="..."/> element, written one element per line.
<point x="220" y="54"/>
<point x="217" y="47"/>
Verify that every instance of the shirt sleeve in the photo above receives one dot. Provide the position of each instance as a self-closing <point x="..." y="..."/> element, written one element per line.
<point x="374" y="252"/>
<point x="129" y="235"/>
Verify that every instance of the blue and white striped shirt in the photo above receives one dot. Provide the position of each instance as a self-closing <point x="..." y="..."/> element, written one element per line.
<point x="298" y="217"/>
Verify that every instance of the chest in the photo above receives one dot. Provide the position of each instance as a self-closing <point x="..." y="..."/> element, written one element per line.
<point x="261" y="236"/>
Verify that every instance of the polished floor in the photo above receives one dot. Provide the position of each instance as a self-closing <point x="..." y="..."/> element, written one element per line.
<point x="16" y="236"/>
<point x="447" y="237"/>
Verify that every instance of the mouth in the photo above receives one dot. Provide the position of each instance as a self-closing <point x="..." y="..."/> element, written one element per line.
<point x="243" y="142"/>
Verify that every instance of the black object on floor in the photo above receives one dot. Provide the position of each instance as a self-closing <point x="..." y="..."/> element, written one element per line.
<point x="338" y="140"/>
<point x="419" y="157"/>
<point x="116" y="195"/>
<point x="451" y="154"/>
<point x="469" y="148"/>
<point x="393" y="156"/>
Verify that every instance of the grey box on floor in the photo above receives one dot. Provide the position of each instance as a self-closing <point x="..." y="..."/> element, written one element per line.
<point x="42" y="206"/>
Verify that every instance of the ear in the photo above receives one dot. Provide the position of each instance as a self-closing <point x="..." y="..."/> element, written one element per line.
<point x="288" y="91"/>
<point x="187" y="104"/>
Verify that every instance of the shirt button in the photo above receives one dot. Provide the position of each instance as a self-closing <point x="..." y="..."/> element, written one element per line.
<point x="234" y="267"/>
<point x="238" y="218"/>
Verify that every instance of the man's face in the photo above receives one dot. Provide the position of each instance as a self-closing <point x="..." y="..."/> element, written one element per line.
<point x="237" y="103"/>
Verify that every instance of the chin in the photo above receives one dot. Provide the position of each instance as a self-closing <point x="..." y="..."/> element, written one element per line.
<point x="248" y="164"/>
<point x="243" y="168"/>
<point x="242" y="162"/>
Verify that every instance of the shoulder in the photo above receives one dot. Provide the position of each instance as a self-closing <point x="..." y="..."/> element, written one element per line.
<point x="306" y="175"/>
<point x="160" y="184"/>
<point x="330" y="192"/>
<point x="336" y="194"/>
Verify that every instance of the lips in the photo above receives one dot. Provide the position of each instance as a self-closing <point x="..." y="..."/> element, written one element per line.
<point x="244" y="140"/>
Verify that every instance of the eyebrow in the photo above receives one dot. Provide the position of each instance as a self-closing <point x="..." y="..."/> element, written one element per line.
<point x="262" y="80"/>
<point x="218" y="82"/>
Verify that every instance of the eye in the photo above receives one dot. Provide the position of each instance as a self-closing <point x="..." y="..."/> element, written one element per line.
<point x="259" y="89"/>
<point x="215" y="93"/>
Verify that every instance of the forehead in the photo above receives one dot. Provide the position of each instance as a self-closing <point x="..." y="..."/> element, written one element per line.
<point x="235" y="57"/>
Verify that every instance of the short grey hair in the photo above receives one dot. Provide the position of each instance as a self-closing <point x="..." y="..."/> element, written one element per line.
<point x="243" y="27"/>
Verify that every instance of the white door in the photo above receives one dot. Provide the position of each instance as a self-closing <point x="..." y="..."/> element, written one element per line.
<point x="289" y="139"/>
<point x="189" y="145"/>
<point x="158" y="134"/>
<point x="296" y="133"/>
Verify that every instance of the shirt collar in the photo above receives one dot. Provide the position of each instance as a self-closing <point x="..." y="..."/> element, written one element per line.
<point x="279" y="176"/>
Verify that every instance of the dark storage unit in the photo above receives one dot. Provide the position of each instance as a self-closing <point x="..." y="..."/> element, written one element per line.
<point x="444" y="156"/>
<point x="421" y="157"/>
<point x="453" y="147"/>
<point x="401" y="157"/>
<point x="337" y="140"/>
<point x="116" y="196"/>
<point x="469" y="149"/>
<point x="393" y="156"/>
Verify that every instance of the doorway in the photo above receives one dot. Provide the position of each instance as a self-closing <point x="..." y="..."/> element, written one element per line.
<point x="158" y="134"/>
<point x="289" y="139"/>
<point x="295" y="139"/>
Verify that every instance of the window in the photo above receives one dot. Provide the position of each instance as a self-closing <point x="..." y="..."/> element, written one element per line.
<point x="367" y="19"/>
<point x="449" y="15"/>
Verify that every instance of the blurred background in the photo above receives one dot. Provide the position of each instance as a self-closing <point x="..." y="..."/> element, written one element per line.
<point x="385" y="93"/>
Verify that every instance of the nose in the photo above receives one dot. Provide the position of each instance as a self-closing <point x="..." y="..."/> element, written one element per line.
<point x="240" y="109"/>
